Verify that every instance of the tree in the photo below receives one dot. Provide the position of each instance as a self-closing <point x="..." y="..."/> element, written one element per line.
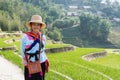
<point x="55" y="35"/>
<point x="94" y="27"/>
<point x="65" y="23"/>
<point x="3" y="24"/>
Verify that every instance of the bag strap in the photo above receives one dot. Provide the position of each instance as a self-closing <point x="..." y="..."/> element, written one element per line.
<point x="33" y="44"/>
<point x="40" y="45"/>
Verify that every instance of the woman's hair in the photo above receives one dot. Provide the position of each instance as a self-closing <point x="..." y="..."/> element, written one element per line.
<point x="31" y="25"/>
<point x="32" y="22"/>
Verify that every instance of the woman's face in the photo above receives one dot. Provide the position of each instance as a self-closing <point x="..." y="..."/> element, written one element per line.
<point x="35" y="27"/>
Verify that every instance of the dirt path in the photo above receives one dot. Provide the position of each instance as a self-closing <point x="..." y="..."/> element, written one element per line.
<point x="9" y="71"/>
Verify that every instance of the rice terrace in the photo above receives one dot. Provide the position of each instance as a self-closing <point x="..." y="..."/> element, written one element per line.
<point x="71" y="65"/>
<point x="80" y="39"/>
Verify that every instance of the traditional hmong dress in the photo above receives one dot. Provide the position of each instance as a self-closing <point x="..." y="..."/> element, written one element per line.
<point x="27" y="39"/>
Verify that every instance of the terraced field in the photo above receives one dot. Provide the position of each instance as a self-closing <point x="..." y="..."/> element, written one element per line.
<point x="70" y="65"/>
<point x="111" y="60"/>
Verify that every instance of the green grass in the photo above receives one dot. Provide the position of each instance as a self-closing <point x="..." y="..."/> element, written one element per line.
<point x="2" y="44"/>
<point x="17" y="44"/>
<point x="111" y="60"/>
<point x="72" y="65"/>
<point x="75" y="57"/>
<point x="56" y="45"/>
<point x="74" y="71"/>
<point x="53" y="76"/>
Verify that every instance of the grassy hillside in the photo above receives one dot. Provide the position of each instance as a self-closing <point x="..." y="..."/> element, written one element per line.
<point x="72" y="65"/>
<point x="73" y="36"/>
<point x="112" y="60"/>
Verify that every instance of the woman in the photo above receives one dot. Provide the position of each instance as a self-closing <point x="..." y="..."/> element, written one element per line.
<point x="35" y="24"/>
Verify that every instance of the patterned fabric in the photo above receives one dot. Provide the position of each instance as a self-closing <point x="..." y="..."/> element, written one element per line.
<point x="26" y="43"/>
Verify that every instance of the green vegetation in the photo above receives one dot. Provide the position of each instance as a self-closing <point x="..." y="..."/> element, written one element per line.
<point x="65" y="23"/>
<point x="74" y="37"/>
<point x="56" y="45"/>
<point x="114" y="36"/>
<point x="105" y="8"/>
<point x="17" y="44"/>
<point x="91" y="28"/>
<point x="2" y="43"/>
<point x="91" y="31"/>
<point x="111" y="60"/>
<point x="7" y="44"/>
<point x="73" y="59"/>
<point x="71" y="35"/>
<point x="94" y="27"/>
<point x="74" y="71"/>
<point x="55" y="35"/>
<point x="14" y="15"/>
<point x="53" y="76"/>
<point x="74" y="66"/>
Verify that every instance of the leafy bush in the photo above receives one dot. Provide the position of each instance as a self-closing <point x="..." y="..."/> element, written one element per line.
<point x="55" y="34"/>
<point x="65" y="23"/>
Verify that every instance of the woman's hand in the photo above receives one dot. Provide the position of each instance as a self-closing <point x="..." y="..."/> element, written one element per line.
<point x="47" y="66"/>
<point x="24" y="62"/>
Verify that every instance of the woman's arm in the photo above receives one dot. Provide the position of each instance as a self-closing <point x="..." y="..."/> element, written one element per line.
<point x="47" y="61"/>
<point x="23" y="42"/>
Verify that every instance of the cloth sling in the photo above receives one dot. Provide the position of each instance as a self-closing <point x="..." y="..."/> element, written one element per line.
<point x="33" y="54"/>
<point x="38" y="40"/>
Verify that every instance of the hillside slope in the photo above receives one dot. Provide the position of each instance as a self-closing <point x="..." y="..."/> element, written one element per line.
<point x="73" y="36"/>
<point x="114" y="36"/>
